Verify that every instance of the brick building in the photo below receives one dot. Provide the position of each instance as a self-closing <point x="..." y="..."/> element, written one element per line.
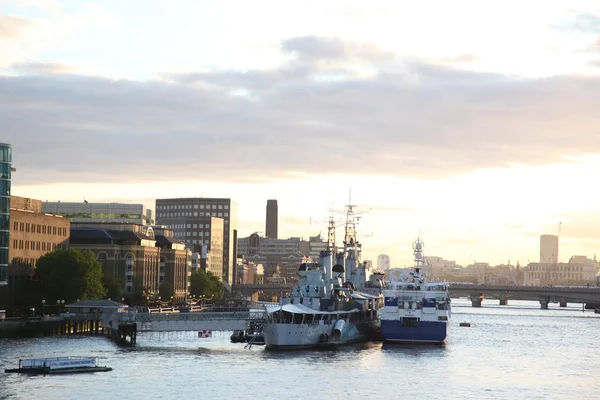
<point x="32" y="235"/>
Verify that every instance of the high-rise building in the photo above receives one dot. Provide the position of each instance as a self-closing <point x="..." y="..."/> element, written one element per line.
<point x="383" y="262"/>
<point x="5" y="174"/>
<point x="271" y="221"/>
<point x="548" y="249"/>
<point x="190" y="218"/>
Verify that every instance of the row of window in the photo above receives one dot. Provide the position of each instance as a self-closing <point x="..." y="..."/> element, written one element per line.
<point x="31" y="245"/>
<point x="194" y="206"/>
<point x="99" y="215"/>
<point x="184" y="234"/>
<point x="24" y="261"/>
<point x="191" y="214"/>
<point x="37" y="228"/>
<point x="189" y="226"/>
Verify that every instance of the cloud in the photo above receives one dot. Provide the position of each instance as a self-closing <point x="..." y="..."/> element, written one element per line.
<point x="594" y="47"/>
<point x="585" y="23"/>
<point x="313" y="48"/>
<point x="462" y="58"/>
<point x="408" y="119"/>
<point x="12" y="27"/>
<point x="41" y="68"/>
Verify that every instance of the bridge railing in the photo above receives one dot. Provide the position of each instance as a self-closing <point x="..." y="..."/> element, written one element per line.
<point x="200" y="316"/>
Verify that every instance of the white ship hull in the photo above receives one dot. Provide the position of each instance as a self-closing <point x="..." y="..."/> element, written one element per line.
<point x="281" y="336"/>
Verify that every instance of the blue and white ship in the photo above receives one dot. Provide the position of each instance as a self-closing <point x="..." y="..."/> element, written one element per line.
<point x="416" y="311"/>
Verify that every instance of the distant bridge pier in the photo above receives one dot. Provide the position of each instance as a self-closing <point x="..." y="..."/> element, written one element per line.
<point x="476" y="299"/>
<point x="544" y="304"/>
<point x="562" y="302"/>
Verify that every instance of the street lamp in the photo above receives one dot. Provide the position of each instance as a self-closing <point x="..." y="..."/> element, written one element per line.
<point x="43" y="304"/>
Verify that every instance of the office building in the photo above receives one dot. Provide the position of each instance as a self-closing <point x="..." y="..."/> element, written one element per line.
<point x="383" y="262"/>
<point x="548" y="249"/>
<point x="271" y="220"/>
<point x="309" y="248"/>
<point x="139" y="258"/>
<point x="278" y="256"/>
<point x="100" y="212"/>
<point x="191" y="220"/>
<point x="580" y="270"/>
<point x="5" y="176"/>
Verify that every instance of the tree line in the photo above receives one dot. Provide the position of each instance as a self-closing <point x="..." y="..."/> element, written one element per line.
<point x="72" y="274"/>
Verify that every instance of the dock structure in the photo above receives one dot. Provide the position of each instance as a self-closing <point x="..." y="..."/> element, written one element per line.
<point x="189" y="321"/>
<point x="50" y="326"/>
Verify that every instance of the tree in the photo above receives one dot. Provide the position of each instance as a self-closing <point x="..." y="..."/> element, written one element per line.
<point x="205" y="284"/>
<point x="113" y="287"/>
<point x="69" y="275"/>
<point x="165" y="290"/>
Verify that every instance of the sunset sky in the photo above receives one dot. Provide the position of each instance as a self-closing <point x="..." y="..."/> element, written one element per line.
<point x="473" y="124"/>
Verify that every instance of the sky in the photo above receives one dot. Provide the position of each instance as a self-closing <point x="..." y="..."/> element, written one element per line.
<point x="473" y="125"/>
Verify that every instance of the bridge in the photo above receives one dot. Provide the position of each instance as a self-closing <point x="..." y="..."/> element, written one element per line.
<point x="172" y="321"/>
<point x="543" y="294"/>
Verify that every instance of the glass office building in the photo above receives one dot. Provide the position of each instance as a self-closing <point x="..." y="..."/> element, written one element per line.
<point x="5" y="172"/>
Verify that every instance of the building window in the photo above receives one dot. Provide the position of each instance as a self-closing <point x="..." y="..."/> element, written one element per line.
<point x="129" y="262"/>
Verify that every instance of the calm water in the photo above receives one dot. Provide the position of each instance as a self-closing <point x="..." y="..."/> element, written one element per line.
<point x="513" y="352"/>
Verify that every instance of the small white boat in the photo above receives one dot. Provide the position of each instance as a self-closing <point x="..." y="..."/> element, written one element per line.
<point x="58" y="365"/>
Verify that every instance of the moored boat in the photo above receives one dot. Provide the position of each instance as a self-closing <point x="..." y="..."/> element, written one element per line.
<point x="327" y="307"/>
<point x="416" y="311"/>
<point x="58" y="365"/>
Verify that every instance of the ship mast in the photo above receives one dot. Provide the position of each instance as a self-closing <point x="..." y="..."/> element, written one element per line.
<point x="331" y="233"/>
<point x="350" y="229"/>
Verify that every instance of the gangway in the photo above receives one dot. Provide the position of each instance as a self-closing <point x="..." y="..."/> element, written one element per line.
<point x="190" y="321"/>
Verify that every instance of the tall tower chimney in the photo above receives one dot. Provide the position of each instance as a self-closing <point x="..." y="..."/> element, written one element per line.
<point x="271" y="225"/>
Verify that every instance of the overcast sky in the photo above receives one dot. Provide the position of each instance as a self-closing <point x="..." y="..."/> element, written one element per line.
<point x="475" y="125"/>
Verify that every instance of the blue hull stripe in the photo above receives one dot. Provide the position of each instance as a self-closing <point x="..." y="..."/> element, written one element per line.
<point x="426" y="332"/>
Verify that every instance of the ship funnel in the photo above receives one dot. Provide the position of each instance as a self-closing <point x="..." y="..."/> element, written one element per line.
<point x="326" y="258"/>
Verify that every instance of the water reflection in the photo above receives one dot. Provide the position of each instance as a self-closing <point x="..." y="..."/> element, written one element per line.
<point x="325" y="355"/>
<point x="415" y="350"/>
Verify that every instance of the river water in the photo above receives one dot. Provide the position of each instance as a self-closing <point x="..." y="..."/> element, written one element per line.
<point x="510" y="352"/>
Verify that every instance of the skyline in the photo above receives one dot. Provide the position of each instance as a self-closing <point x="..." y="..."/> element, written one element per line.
<point x="478" y="133"/>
